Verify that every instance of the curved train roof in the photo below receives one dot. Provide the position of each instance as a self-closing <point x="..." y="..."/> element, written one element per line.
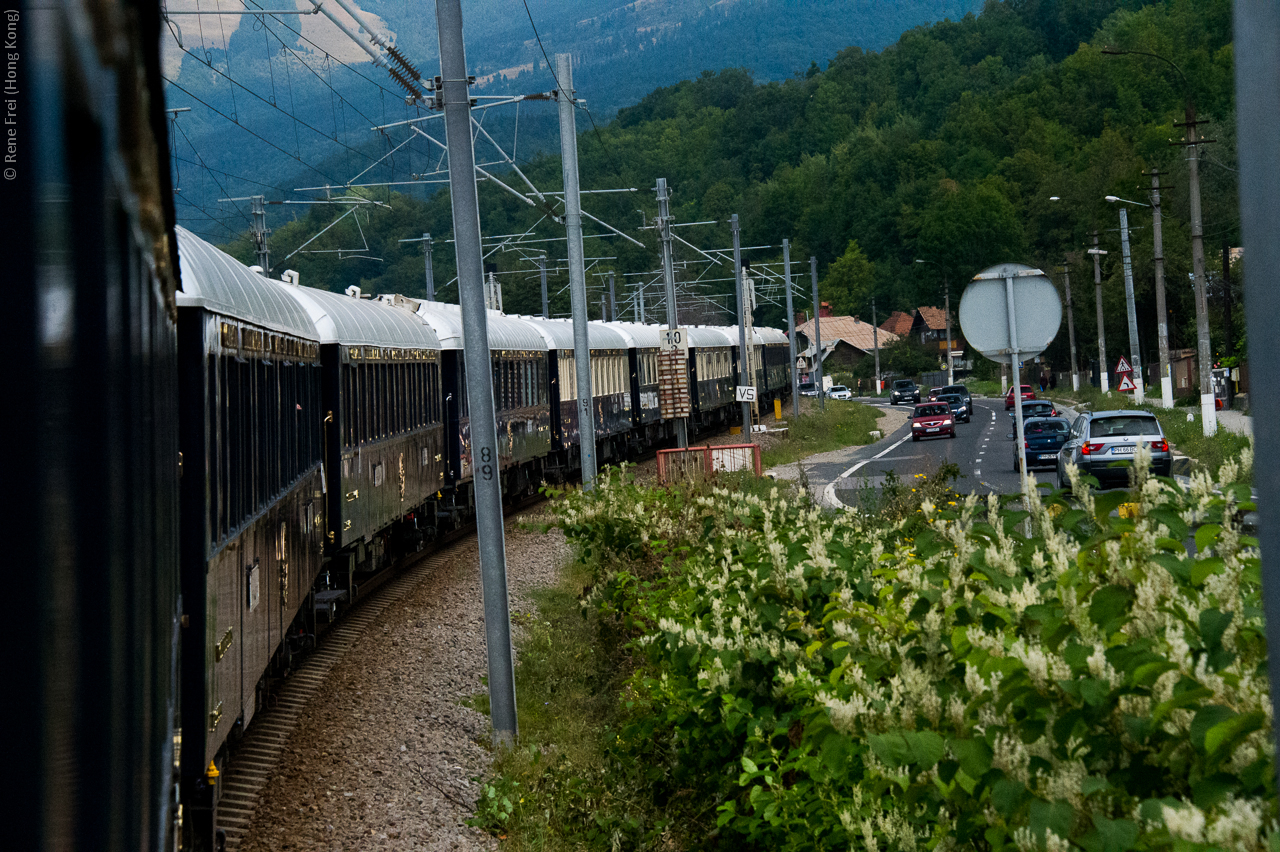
<point x="559" y="333"/>
<point x="341" y="319"/>
<point x="638" y="335"/>
<point x="761" y="335"/>
<point x="504" y="332"/>
<point x="704" y="336"/>
<point x="216" y="281"/>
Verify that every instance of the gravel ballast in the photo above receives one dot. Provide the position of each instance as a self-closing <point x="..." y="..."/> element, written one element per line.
<point x="384" y="756"/>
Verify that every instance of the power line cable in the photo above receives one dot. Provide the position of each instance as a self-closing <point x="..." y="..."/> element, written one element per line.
<point x="206" y="167"/>
<point x="551" y="68"/>
<point x="282" y="111"/>
<point x="209" y="106"/>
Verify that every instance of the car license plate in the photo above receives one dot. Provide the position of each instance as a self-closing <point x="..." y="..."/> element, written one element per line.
<point x="1047" y="456"/>
<point x="932" y="429"/>
<point x="1122" y="451"/>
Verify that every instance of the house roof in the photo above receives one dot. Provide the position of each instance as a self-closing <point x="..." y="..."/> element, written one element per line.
<point x="851" y="330"/>
<point x="934" y="319"/>
<point x="898" y="323"/>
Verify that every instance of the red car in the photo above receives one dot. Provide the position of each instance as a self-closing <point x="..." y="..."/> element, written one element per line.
<point x="933" y="394"/>
<point x="1027" y="393"/>
<point x="932" y="420"/>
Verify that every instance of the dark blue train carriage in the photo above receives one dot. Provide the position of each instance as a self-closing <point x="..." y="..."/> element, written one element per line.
<point x="610" y="391"/>
<point x="518" y="359"/>
<point x="252" y="519"/>
<point x="383" y="427"/>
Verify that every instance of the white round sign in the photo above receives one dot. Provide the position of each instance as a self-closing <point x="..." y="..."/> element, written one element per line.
<point x="984" y="313"/>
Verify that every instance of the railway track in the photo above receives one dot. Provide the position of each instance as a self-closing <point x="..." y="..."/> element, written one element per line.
<point x="255" y="758"/>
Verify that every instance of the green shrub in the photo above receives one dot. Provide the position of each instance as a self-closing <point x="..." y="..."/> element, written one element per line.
<point x="942" y="681"/>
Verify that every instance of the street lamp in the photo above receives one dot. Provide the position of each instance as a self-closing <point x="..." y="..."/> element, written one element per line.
<point x="1208" y="414"/>
<point x="1135" y="355"/>
<point x="946" y="283"/>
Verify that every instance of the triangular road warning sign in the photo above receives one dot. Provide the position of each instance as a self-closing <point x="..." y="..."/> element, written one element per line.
<point x="1125" y="384"/>
<point x="1123" y="366"/>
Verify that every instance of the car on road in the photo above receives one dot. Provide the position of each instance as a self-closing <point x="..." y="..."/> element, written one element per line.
<point x="808" y="389"/>
<point x="1038" y="408"/>
<point x="1102" y="444"/>
<point x="1027" y="393"/>
<point x="839" y="392"/>
<point x="932" y="420"/>
<point x="1043" y="438"/>
<point x="963" y="391"/>
<point x="933" y="394"/>
<point x="904" y="390"/>
<point x="959" y="406"/>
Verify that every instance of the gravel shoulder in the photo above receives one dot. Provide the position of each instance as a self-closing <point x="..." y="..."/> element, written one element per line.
<point x="385" y="756"/>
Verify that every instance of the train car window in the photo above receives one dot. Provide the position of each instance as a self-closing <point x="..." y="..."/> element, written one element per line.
<point x="214" y="461"/>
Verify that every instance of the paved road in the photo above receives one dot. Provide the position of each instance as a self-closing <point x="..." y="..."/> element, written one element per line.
<point x="981" y="449"/>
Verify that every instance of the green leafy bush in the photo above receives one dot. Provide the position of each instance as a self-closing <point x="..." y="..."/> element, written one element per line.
<point x="943" y="681"/>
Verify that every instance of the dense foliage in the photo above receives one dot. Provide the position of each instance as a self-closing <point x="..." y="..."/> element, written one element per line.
<point x="942" y="680"/>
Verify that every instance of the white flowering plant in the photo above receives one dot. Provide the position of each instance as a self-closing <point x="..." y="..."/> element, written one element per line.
<point x="945" y="680"/>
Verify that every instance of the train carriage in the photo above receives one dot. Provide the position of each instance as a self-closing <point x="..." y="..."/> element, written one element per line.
<point x="610" y="388"/>
<point x="252" y="515"/>
<point x="643" y="343"/>
<point x="518" y="359"/>
<point x="773" y="364"/>
<point x="712" y="376"/>
<point x="383" y="424"/>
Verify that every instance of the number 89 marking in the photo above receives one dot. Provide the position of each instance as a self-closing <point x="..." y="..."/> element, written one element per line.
<point x="486" y="466"/>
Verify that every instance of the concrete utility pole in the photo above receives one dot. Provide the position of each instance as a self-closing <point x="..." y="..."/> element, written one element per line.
<point x="1228" y="321"/>
<point x="475" y="330"/>
<point x="951" y="370"/>
<point x="1162" y="310"/>
<point x="1104" y="382"/>
<point x="577" y="268"/>
<point x="1135" y="353"/>
<point x="1071" y="326"/>
<point x="875" y="343"/>
<point x="1204" y="354"/>
<point x="613" y="300"/>
<point x="542" y="274"/>
<point x="791" y="331"/>
<point x="431" y="278"/>
<point x="817" y="334"/>
<point x="1257" y="60"/>
<point x="261" y="232"/>
<point x="744" y="378"/>
<point x="669" y="279"/>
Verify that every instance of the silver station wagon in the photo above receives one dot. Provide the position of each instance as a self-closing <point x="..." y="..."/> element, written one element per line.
<point x="1102" y="444"/>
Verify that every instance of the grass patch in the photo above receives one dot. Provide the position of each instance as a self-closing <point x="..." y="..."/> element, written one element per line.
<point x="842" y="424"/>
<point x="559" y="788"/>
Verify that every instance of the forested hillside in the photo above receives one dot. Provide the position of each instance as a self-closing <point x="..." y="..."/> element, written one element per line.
<point x="945" y="147"/>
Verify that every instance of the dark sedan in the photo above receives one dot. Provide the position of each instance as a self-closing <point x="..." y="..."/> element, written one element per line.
<point x="958" y="404"/>
<point x="1044" y="437"/>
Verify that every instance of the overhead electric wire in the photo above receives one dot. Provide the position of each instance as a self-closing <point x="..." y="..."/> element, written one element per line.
<point x="206" y="167"/>
<point x="282" y="111"/>
<point x="250" y="132"/>
<point x="230" y="174"/>
<point x="551" y="68"/>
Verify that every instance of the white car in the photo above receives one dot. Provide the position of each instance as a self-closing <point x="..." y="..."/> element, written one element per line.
<point x="839" y="392"/>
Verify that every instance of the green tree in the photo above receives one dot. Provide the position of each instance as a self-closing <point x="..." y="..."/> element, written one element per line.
<point x="848" y="283"/>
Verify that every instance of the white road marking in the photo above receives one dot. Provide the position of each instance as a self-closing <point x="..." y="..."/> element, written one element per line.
<point x="883" y="452"/>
